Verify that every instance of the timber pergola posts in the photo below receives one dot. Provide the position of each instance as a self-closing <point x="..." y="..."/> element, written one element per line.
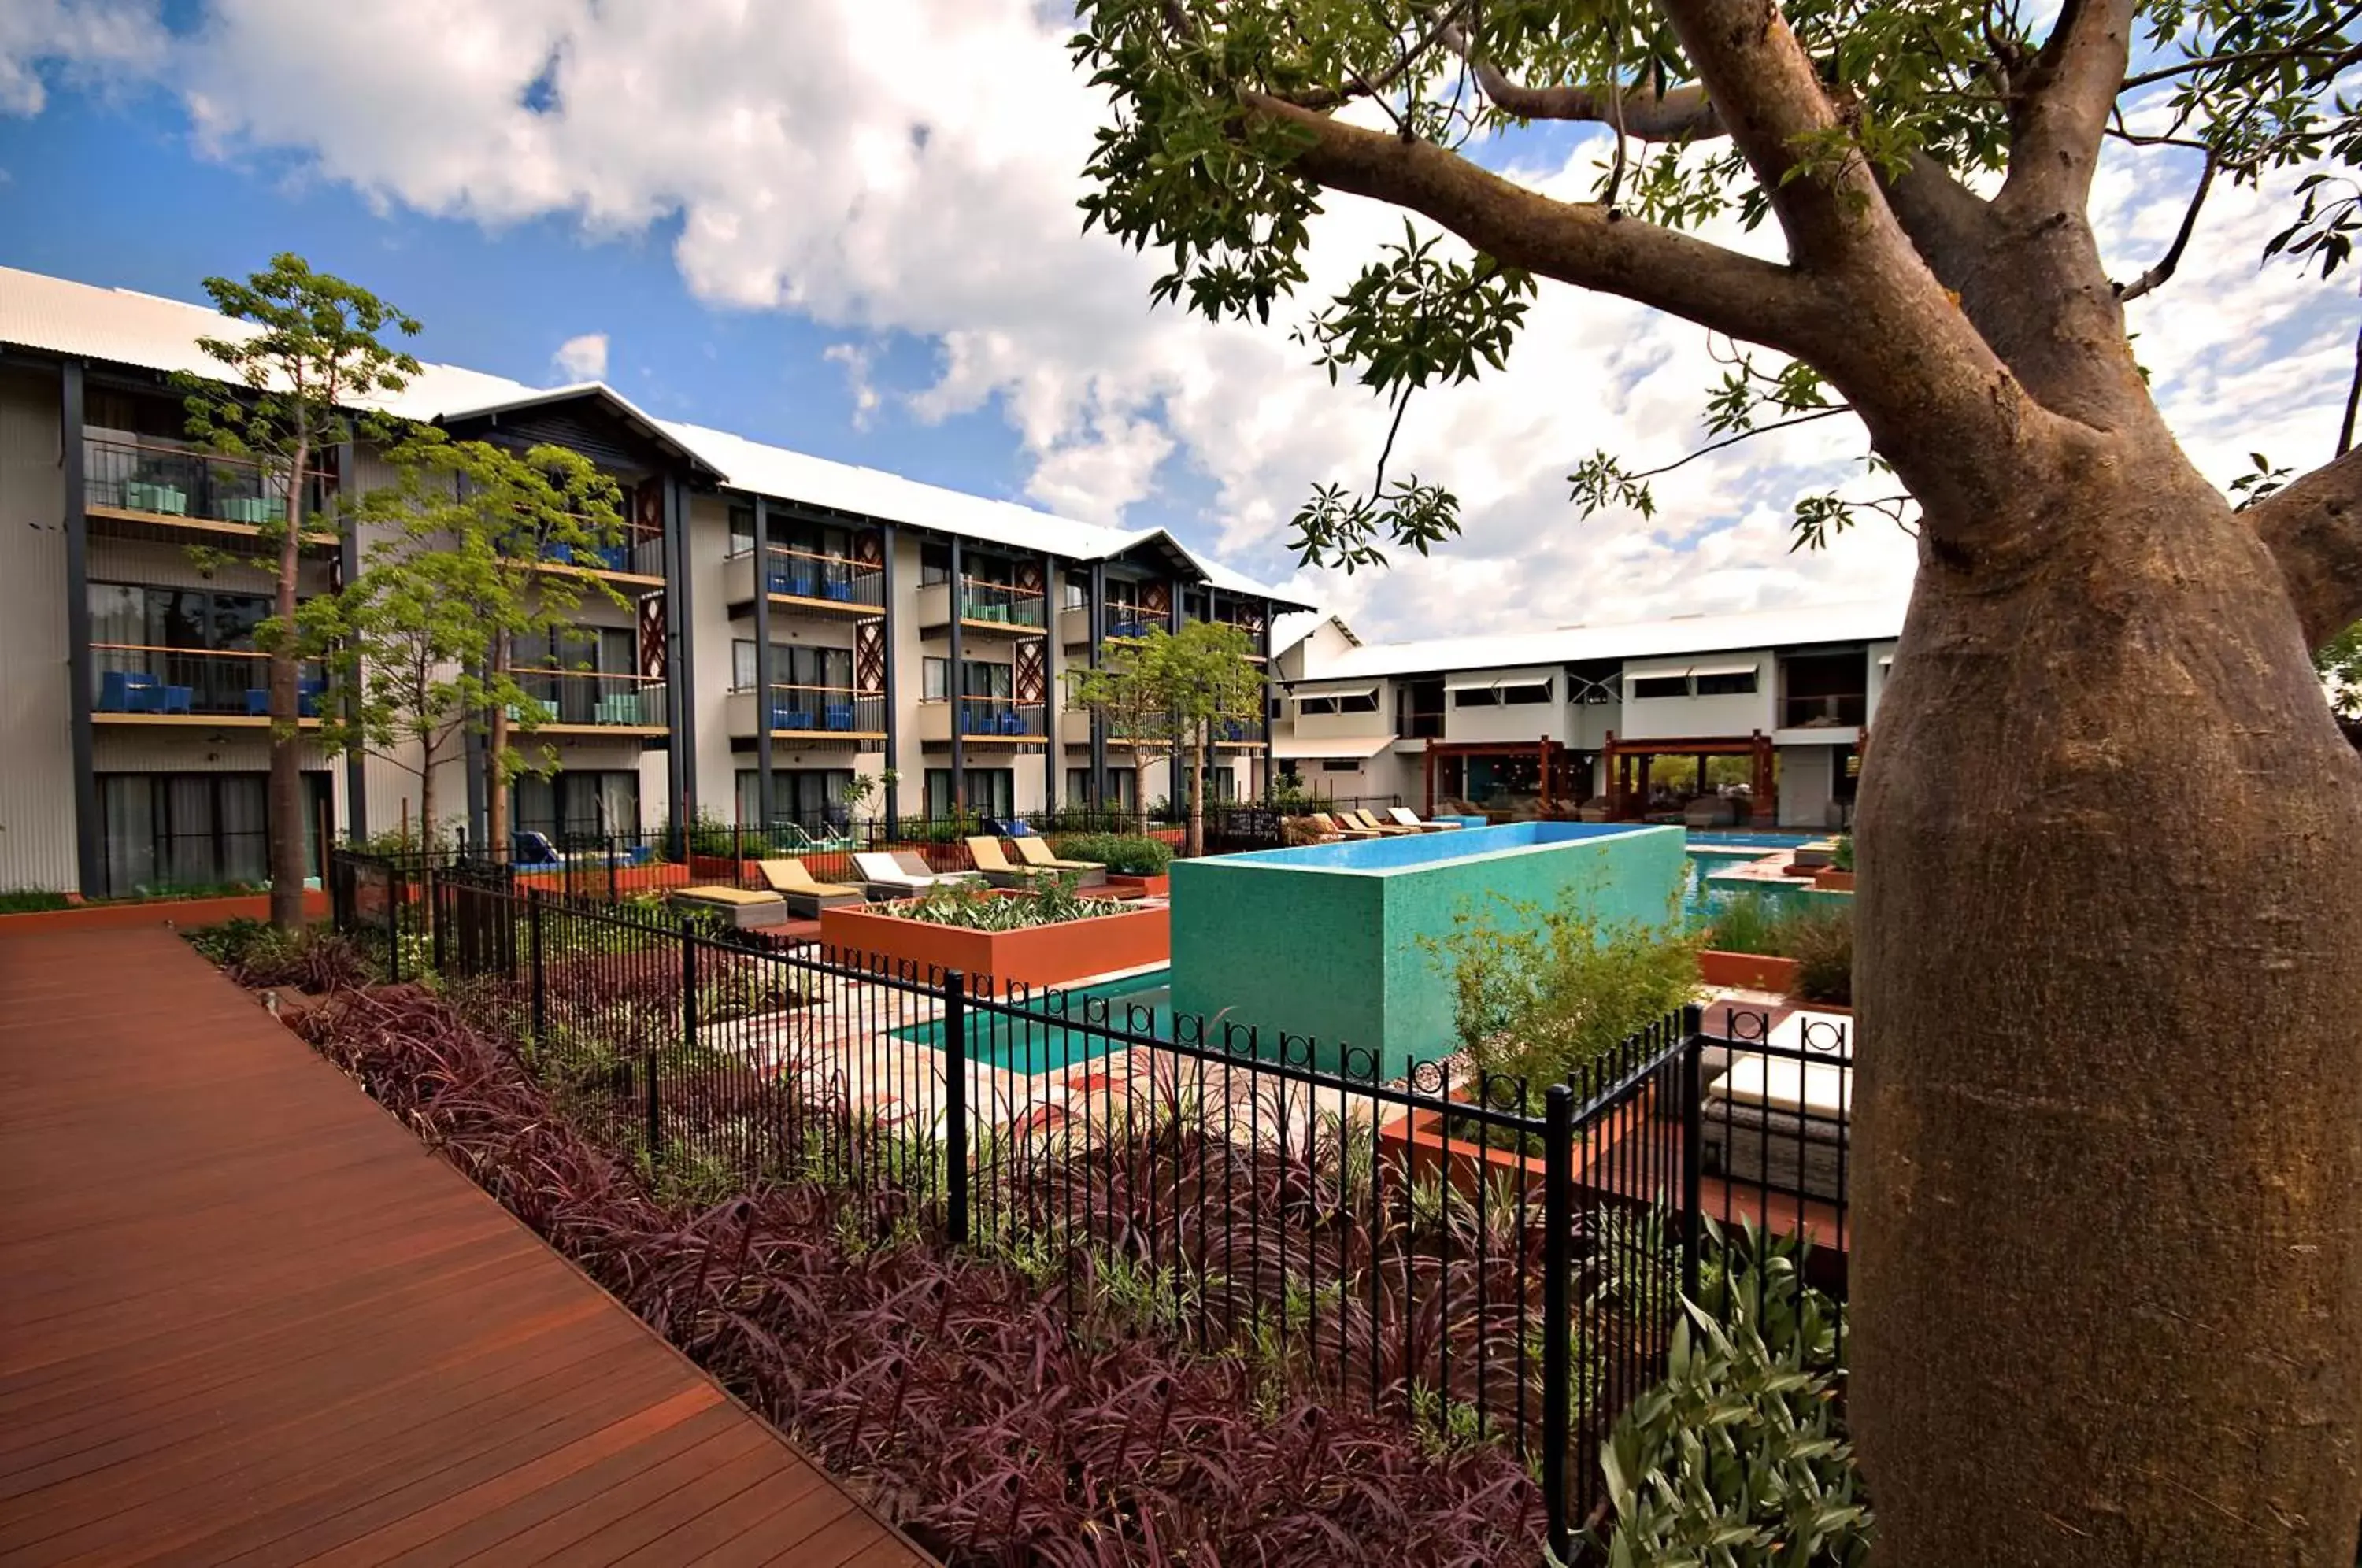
<point x="1628" y="760"/>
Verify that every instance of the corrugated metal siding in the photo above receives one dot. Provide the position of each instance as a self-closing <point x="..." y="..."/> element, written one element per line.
<point x="187" y="748"/>
<point x="37" y="793"/>
<point x="158" y="565"/>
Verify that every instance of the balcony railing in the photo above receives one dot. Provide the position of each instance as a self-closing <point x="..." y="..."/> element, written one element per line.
<point x="1239" y="732"/>
<point x="978" y="716"/>
<point x="167" y="481"/>
<point x="167" y="682"/>
<point x="1001" y="604"/>
<point x="827" y="709"/>
<point x="642" y="556"/>
<point x="593" y="699"/>
<point x="801" y="574"/>
<point x="1852" y="709"/>
<point x="1419" y="726"/>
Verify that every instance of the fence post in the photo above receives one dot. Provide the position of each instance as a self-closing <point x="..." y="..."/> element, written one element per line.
<point x="540" y="984"/>
<point x="1558" y="1326"/>
<point x="435" y="918"/>
<point x="1692" y="1153"/>
<point x="612" y="895"/>
<point x="954" y="1009"/>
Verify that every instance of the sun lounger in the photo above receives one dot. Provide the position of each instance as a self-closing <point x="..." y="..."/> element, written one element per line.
<point x="1328" y="824"/>
<point x="1780" y="1123"/>
<point x="996" y="866"/>
<point x="1036" y="854"/>
<point x="1360" y="818"/>
<point x="914" y="865"/>
<point x="805" y="896"/>
<point x="885" y="876"/>
<point x="738" y="908"/>
<point x="1405" y="817"/>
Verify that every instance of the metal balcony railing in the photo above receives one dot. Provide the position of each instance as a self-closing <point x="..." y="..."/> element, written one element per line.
<point x="163" y="479"/>
<point x="1001" y="604"/>
<point x="128" y="677"/>
<point x="801" y="574"/>
<point x="998" y="716"/>
<point x="592" y="698"/>
<point x="827" y="709"/>
<point x="1825" y="712"/>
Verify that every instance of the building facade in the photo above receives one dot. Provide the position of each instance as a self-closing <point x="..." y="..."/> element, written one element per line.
<point x="1767" y="713"/>
<point x="773" y="627"/>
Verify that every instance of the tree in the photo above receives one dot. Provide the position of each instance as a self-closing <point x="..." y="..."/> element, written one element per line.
<point x="425" y="638"/>
<point x="2108" y="1274"/>
<point x="315" y="357"/>
<point x="1169" y="691"/>
<point x="2339" y="662"/>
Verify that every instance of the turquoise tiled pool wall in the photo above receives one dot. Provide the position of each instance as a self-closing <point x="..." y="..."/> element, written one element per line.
<point x="1324" y="940"/>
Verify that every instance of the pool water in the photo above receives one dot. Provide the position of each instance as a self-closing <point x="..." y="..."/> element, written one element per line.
<point x="1136" y="1004"/>
<point x="1403" y="852"/>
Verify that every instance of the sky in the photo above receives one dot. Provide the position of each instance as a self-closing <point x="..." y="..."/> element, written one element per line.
<point x="848" y="226"/>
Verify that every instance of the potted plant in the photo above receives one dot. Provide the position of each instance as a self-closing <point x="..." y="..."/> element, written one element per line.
<point x="1042" y="935"/>
<point x="1837" y="876"/>
<point x="1137" y="866"/>
<point x="1745" y="946"/>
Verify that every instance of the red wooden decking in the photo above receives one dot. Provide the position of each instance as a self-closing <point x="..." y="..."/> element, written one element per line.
<point x="244" y="1314"/>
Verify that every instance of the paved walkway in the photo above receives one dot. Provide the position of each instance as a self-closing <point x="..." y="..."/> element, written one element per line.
<point x="244" y="1314"/>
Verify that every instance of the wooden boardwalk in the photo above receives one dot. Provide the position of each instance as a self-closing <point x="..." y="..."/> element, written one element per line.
<point x="244" y="1314"/>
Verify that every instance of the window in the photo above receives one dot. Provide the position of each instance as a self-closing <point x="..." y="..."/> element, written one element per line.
<point x="741" y="530"/>
<point x="182" y="637"/>
<point x="935" y="682"/>
<point x="1323" y="704"/>
<point x="1476" y="697"/>
<point x="934" y="564"/>
<point x="1419" y="710"/>
<point x="1652" y="686"/>
<point x="1358" y="703"/>
<point x="808" y="797"/>
<point x="796" y="665"/>
<point x="1726" y="683"/>
<point x="1122" y="791"/>
<point x="193" y="830"/>
<point x="588" y="804"/>
<point x="1525" y="693"/>
<point x="1340" y="765"/>
<point x="991" y="792"/>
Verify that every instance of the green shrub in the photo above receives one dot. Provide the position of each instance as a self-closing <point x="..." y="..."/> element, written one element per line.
<point x="1538" y="992"/>
<point x="1841" y="858"/>
<point x="1821" y="942"/>
<point x="26" y="901"/>
<point x="1124" y="854"/>
<point x="1739" y="1457"/>
<point x="1750" y="923"/>
<point x="972" y="906"/>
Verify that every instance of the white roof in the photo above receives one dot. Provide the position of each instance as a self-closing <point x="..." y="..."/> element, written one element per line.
<point x="1638" y="639"/>
<point x="125" y="327"/>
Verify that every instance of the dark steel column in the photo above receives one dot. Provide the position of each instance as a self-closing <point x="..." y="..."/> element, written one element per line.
<point x="958" y="683"/>
<point x="88" y="873"/>
<point x="1269" y="689"/>
<point x="762" y="667"/>
<point x="1178" y="768"/>
<point x="893" y="687"/>
<point x="348" y="566"/>
<point x="680" y="653"/>
<point x="1097" y="618"/>
<point x="1052" y="759"/>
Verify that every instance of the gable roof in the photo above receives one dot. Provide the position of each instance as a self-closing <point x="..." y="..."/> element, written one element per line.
<point x="1860" y="623"/>
<point x="124" y="327"/>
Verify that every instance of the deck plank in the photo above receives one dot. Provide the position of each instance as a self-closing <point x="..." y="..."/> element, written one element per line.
<point x="244" y="1314"/>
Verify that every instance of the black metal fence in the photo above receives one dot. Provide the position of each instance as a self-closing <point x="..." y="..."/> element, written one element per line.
<point x="1493" y="1260"/>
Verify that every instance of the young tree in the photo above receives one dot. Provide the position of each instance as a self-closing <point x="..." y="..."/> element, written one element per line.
<point x="1179" y="689"/>
<point x="315" y="356"/>
<point x="2108" y="1267"/>
<point x="2339" y="661"/>
<point x="425" y="639"/>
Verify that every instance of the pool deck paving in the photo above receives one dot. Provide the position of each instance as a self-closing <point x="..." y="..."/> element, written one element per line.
<point x="245" y="1314"/>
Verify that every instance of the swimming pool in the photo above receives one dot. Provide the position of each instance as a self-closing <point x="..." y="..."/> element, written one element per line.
<point x="1068" y="1033"/>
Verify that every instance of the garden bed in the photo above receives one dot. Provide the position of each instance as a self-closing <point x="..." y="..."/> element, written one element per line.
<point x="1039" y="956"/>
<point x="1747" y="971"/>
<point x="1139" y="887"/>
<point x="115" y="914"/>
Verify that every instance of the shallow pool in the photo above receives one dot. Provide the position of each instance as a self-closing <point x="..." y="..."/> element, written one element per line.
<point x="1137" y="1004"/>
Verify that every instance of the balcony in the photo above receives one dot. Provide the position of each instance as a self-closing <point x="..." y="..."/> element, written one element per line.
<point x="830" y="587"/>
<point x="1847" y="711"/>
<point x="213" y="686"/>
<point x="1122" y="621"/>
<point x="156" y="490"/>
<point x="580" y="701"/>
<point x="1239" y="732"/>
<point x="812" y="715"/>
<point x="989" y="721"/>
<point x="991" y="608"/>
<point x="635" y="562"/>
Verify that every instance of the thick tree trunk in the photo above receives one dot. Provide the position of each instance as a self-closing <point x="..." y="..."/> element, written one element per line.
<point x="283" y="810"/>
<point x="2107" y="1276"/>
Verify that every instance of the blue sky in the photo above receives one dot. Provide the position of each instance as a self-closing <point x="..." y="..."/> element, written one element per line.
<point x="850" y="227"/>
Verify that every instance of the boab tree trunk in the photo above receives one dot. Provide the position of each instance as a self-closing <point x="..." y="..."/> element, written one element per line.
<point x="2110" y="1097"/>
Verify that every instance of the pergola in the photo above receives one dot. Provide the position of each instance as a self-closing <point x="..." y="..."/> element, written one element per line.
<point x="1628" y="769"/>
<point x="1545" y="752"/>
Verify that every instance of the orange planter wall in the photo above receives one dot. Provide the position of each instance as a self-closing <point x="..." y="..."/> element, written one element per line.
<point x="1039" y="956"/>
<point x="1833" y="880"/>
<point x="157" y="911"/>
<point x="1140" y="887"/>
<point x="1747" y="971"/>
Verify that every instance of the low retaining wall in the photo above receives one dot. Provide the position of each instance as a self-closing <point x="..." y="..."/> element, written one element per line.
<point x="156" y="911"/>
<point x="1038" y="955"/>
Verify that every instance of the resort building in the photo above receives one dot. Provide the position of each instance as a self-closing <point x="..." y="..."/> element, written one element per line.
<point x="1755" y="719"/>
<point x="778" y="624"/>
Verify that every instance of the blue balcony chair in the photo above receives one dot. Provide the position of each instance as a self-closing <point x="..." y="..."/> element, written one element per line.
<point x="178" y="699"/>
<point x="257" y="703"/>
<point x="836" y="716"/>
<point x="838" y="589"/>
<point x="114" y="691"/>
<point x="561" y="555"/>
<point x="615" y="557"/>
<point x="1012" y="723"/>
<point x="142" y="694"/>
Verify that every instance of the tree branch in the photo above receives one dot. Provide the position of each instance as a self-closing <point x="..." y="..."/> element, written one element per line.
<point x="1829" y="413"/>
<point x="1579" y="243"/>
<point x="1338" y="97"/>
<point x="1949" y="225"/>
<point x="2155" y="276"/>
<point x="2314" y="529"/>
<point x="2068" y="97"/>
<point x="1683" y="113"/>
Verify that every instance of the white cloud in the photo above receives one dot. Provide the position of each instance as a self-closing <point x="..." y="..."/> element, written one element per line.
<point x="82" y="39"/>
<point x="582" y="358"/>
<point x="912" y="167"/>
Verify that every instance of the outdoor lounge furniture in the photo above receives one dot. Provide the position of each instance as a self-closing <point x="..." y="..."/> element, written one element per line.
<point x="996" y="866"/>
<point x="1359" y="817"/>
<point x="1328" y="824"/>
<point x="618" y="708"/>
<point x="737" y="908"/>
<point x="901" y="874"/>
<point x="1779" y="1123"/>
<point x="806" y="898"/>
<point x="1406" y="817"/>
<point x="1035" y="851"/>
<point x="1710" y="811"/>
